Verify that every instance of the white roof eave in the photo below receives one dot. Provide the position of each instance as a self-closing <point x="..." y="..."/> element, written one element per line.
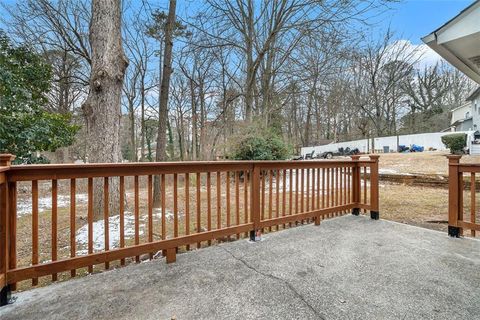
<point x="462" y="28"/>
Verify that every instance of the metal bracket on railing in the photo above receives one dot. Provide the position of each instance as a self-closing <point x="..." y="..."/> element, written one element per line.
<point x="356" y="211"/>
<point x="255" y="235"/>
<point x="454" y="231"/>
<point x="375" y="215"/>
<point x="5" y="295"/>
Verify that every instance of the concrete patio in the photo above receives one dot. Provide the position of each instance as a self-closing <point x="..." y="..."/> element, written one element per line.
<point x="347" y="268"/>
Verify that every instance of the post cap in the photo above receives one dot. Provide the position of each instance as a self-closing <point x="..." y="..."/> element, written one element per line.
<point x="455" y="158"/>
<point x="6" y="159"/>
<point x="355" y="157"/>
<point x="374" y="156"/>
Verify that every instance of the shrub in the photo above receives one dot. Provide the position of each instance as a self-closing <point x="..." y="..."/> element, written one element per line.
<point x="259" y="145"/>
<point x="455" y="142"/>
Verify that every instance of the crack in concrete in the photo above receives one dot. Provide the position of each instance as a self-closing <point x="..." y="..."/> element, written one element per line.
<point x="271" y="276"/>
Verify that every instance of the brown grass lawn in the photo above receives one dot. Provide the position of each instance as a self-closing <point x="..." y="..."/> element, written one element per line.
<point x="430" y="162"/>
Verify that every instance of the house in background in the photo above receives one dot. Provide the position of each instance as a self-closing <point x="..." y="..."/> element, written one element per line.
<point x="467" y="116"/>
<point x="458" y="42"/>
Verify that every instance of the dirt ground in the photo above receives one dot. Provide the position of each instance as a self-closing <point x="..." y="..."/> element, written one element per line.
<point x="421" y="206"/>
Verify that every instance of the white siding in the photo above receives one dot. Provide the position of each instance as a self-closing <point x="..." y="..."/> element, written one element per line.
<point x="460" y="113"/>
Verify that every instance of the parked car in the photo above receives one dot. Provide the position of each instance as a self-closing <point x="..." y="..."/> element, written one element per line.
<point x="340" y="152"/>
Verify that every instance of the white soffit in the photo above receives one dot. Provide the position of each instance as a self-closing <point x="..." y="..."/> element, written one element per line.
<point x="458" y="41"/>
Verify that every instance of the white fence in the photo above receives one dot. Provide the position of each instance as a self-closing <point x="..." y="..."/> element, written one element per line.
<point x="426" y="140"/>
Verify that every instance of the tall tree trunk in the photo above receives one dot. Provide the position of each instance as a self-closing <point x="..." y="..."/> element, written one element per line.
<point x="142" y="126"/>
<point x="201" y="145"/>
<point x="194" y="121"/>
<point x="131" y="116"/>
<point x="250" y="79"/>
<point x="163" y="115"/>
<point x="102" y="107"/>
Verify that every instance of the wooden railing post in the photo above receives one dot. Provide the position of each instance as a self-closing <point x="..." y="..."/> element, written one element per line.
<point x="374" y="206"/>
<point x="356" y="184"/>
<point x="255" y="203"/>
<point x="454" y="189"/>
<point x="5" y="161"/>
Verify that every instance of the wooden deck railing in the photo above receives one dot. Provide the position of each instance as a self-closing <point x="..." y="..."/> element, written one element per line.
<point x="461" y="177"/>
<point x="200" y="202"/>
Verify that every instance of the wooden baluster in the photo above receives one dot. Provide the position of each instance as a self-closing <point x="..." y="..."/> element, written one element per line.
<point x="245" y="197"/>
<point x="270" y="196"/>
<point x="122" y="216"/>
<point x="349" y="185"/>
<point x="328" y="189"/>
<point x="332" y="190"/>
<point x="219" y="201"/>
<point x="237" y="200"/>
<point x="313" y="189"/>
<point x="34" y="227"/>
<point x="199" y="206"/>
<point x="175" y="205"/>
<point x="302" y="191"/>
<point x="308" y="191"/>
<point x="296" y="192"/>
<point x="262" y="181"/>
<point x="472" y="201"/>
<point x="256" y="175"/>
<point x="164" y="209"/>
<point x="332" y="184"/>
<point x="323" y="188"/>
<point x="343" y="188"/>
<point x="150" y="210"/>
<point x="187" y="206"/>
<point x="137" y="215"/>
<point x="290" y="197"/>
<point x="12" y="235"/>
<point x="106" y="218"/>
<point x="345" y="179"/>
<point x="337" y="184"/>
<point x="209" y="204"/>
<point x="284" y="194"/>
<point x="340" y="191"/>
<point x="277" y="198"/>
<point x="73" y="243"/>
<point x="318" y="188"/>
<point x="227" y="182"/>
<point x="54" y="224"/>
<point x="364" y="187"/>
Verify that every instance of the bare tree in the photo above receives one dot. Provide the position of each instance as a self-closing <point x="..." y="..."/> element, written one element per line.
<point x="384" y="66"/>
<point x="163" y="112"/>
<point x="102" y="107"/>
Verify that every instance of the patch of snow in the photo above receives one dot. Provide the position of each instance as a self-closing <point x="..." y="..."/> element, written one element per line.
<point x="114" y="230"/>
<point x="387" y="171"/>
<point x="24" y="206"/>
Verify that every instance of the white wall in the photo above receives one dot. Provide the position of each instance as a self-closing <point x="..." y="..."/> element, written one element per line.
<point x="426" y="140"/>
<point x="459" y="113"/>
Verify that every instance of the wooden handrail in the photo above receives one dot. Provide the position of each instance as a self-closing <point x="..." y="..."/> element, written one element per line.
<point x="333" y="187"/>
<point x="69" y="171"/>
